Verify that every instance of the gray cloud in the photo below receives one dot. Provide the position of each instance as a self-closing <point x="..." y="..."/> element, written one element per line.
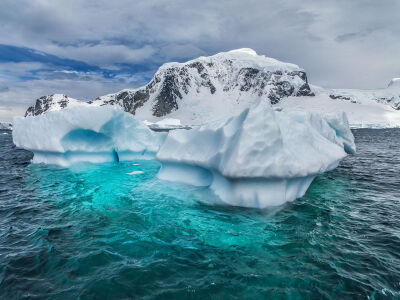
<point x="339" y="43"/>
<point x="4" y="88"/>
<point x="352" y="36"/>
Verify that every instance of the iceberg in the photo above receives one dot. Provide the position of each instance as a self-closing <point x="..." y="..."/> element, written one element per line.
<point x="259" y="158"/>
<point x="166" y="125"/>
<point x="85" y="134"/>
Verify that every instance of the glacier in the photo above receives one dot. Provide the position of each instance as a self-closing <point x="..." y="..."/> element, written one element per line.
<point x="259" y="158"/>
<point x="85" y="134"/>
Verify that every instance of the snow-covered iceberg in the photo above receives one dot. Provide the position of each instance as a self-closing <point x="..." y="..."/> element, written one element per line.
<point x="259" y="158"/>
<point x="166" y="125"/>
<point x="90" y="134"/>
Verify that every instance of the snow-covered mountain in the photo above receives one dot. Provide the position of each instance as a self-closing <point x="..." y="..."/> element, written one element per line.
<point x="202" y="89"/>
<point x="6" y="126"/>
<point x="379" y="108"/>
<point x="52" y="103"/>
<point x="210" y="88"/>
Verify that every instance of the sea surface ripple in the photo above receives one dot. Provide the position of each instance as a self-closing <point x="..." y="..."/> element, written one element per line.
<point x="114" y="231"/>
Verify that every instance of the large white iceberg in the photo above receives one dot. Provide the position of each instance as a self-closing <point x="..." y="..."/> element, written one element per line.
<point x="90" y="134"/>
<point x="259" y="158"/>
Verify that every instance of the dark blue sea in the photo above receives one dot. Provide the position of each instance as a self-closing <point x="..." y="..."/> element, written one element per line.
<point x="96" y="232"/>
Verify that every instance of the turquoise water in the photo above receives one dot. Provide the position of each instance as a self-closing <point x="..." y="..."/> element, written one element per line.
<point x="95" y="232"/>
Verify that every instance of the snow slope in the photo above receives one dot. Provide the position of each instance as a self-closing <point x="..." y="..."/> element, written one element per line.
<point x="259" y="158"/>
<point x="364" y="108"/>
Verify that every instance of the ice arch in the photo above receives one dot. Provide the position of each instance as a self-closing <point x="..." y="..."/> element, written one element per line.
<point x="86" y="134"/>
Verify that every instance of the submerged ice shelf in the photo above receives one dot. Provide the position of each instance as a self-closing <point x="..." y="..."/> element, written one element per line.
<point x="258" y="158"/>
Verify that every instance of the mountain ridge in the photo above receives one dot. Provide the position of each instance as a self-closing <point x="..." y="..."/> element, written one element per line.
<point x="238" y="74"/>
<point x="210" y="88"/>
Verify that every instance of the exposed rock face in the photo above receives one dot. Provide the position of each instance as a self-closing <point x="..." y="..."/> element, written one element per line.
<point x="129" y="100"/>
<point x="334" y="97"/>
<point x="239" y="74"/>
<point x="341" y="97"/>
<point x="224" y="73"/>
<point x="392" y="101"/>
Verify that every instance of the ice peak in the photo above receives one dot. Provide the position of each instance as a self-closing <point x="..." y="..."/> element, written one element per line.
<point x="395" y="82"/>
<point x="245" y="51"/>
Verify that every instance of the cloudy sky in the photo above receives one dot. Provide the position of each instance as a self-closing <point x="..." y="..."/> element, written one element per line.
<point x="89" y="48"/>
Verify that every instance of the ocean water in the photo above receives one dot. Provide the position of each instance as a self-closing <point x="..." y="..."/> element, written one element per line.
<point x="114" y="231"/>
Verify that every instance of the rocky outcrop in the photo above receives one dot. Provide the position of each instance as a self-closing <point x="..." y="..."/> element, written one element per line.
<point x="46" y="103"/>
<point x="341" y="97"/>
<point x="213" y="76"/>
<point x="392" y="101"/>
<point x="334" y="97"/>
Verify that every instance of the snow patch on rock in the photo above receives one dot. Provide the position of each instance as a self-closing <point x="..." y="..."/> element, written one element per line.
<point x="378" y="108"/>
<point x="200" y="90"/>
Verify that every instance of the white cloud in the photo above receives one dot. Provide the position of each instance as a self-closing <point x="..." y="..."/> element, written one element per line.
<point x="15" y="70"/>
<point x="104" y="55"/>
<point x="335" y="42"/>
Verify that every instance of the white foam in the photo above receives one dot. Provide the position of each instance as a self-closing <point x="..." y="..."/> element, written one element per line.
<point x="135" y="173"/>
